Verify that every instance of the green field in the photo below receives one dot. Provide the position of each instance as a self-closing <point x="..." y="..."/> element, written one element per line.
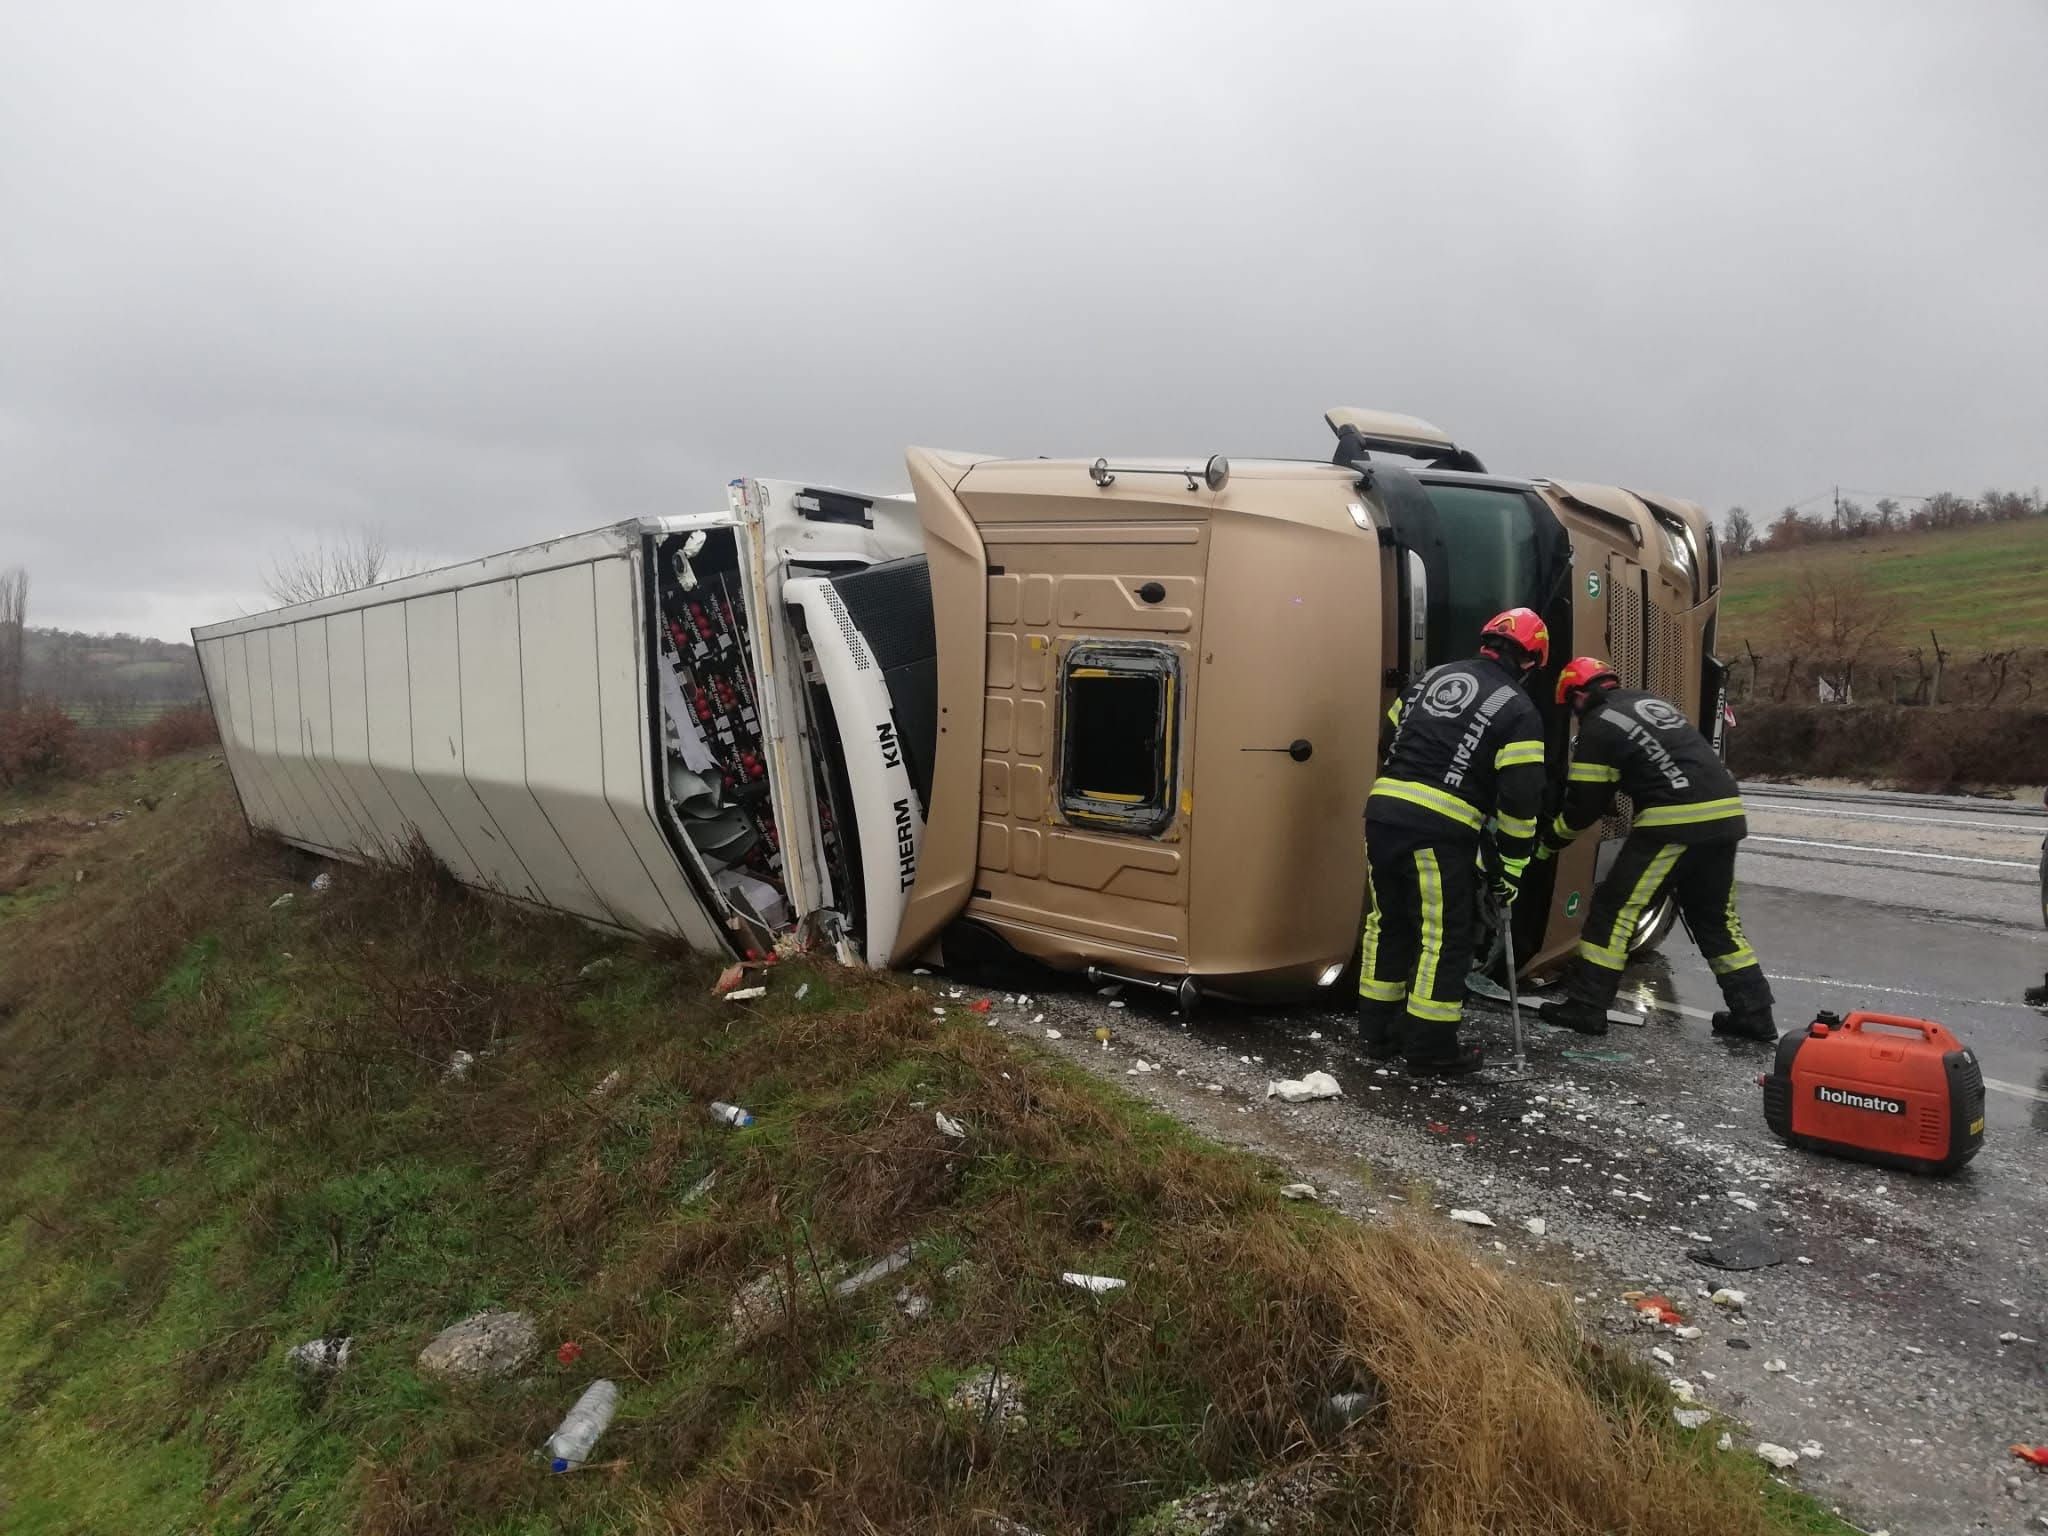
<point x="1981" y="589"/>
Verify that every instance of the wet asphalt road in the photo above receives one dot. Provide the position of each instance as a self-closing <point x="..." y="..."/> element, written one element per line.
<point x="1910" y="1314"/>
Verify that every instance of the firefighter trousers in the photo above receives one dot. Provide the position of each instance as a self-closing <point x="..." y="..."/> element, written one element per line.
<point x="1702" y="875"/>
<point x="1418" y="941"/>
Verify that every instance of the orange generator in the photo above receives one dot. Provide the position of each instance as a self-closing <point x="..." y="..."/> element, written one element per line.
<point x="1883" y="1089"/>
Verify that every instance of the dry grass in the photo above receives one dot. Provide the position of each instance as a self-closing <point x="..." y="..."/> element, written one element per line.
<point x="227" y="1128"/>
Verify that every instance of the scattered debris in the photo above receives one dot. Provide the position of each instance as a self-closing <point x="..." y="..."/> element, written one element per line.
<point x="1809" y="1450"/>
<point x="881" y="1269"/>
<point x="948" y="1126"/>
<point x="729" y="1114"/>
<point x="1725" y="1443"/>
<point x="1777" y="1456"/>
<point x="570" y="1445"/>
<point x="1664" y="1356"/>
<point x="1281" y="1504"/>
<point x="1692" y="1418"/>
<point x="322" y="883"/>
<point x="1102" y="1034"/>
<point x="1776" y="1367"/>
<point x="1742" y="1250"/>
<point x="484" y="1345"/>
<point x="607" y="1083"/>
<point x="1684" y="1390"/>
<point x="981" y="1006"/>
<point x="991" y="1396"/>
<point x="1344" y="1408"/>
<point x="746" y="994"/>
<point x="1732" y="1301"/>
<point x="569" y="1352"/>
<point x="913" y="1304"/>
<point x="1099" y="1284"/>
<point x="1141" y="1068"/>
<point x="728" y="978"/>
<point x="1689" y="1332"/>
<point x="321" y="1357"/>
<point x="2008" y="1337"/>
<point x="1053" y="1034"/>
<point x="1732" y="1343"/>
<point x="1297" y="1090"/>
<point x="759" y="1308"/>
<point x="2033" y="1455"/>
<point x="700" y="1189"/>
<point x="803" y="991"/>
<point x="1472" y="1218"/>
<point x="283" y="901"/>
<point x="1297" y="1191"/>
<point x="1535" y="1226"/>
<point x="1656" y="1309"/>
<point x="597" y="967"/>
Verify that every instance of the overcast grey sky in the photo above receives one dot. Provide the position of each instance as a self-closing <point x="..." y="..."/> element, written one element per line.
<point x="477" y="273"/>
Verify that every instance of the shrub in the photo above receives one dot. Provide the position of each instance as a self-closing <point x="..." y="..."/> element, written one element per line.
<point x="178" y="730"/>
<point x="38" y="741"/>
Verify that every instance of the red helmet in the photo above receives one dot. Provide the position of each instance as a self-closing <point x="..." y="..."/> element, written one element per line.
<point x="1524" y="627"/>
<point x="1583" y="672"/>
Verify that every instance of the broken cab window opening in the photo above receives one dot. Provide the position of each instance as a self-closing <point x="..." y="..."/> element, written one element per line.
<point x="1119" y="723"/>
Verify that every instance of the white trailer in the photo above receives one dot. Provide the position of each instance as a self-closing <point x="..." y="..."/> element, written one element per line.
<point x="631" y="725"/>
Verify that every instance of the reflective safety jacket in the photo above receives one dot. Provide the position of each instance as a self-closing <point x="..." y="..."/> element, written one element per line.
<point x="1637" y="744"/>
<point x="1467" y="744"/>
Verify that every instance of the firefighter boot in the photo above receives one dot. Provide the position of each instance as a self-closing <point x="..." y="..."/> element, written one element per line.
<point x="1379" y="1029"/>
<point x="1748" y="1014"/>
<point x="1575" y="1014"/>
<point x="1588" y="992"/>
<point x="1432" y="1050"/>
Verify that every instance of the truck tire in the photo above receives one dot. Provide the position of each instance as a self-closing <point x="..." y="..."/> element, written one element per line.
<point x="1653" y="926"/>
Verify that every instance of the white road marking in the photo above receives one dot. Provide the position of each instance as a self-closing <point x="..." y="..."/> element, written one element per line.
<point x="1897" y="853"/>
<point x="1801" y="808"/>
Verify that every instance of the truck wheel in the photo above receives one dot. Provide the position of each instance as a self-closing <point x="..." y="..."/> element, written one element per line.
<point x="1653" y="926"/>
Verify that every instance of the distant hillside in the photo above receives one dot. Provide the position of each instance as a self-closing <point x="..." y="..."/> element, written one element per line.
<point x="110" y="679"/>
<point x="1981" y="589"/>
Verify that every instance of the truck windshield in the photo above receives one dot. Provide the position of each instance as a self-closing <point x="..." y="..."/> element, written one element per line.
<point x="1490" y="555"/>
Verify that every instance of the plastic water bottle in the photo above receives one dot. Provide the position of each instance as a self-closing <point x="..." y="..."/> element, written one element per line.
<point x="569" y="1446"/>
<point x="730" y="1114"/>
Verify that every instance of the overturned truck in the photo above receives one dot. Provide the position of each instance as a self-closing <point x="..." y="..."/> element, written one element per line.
<point x="1113" y="716"/>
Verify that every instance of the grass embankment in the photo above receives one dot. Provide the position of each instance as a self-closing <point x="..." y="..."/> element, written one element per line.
<point x="1981" y="589"/>
<point x="227" y="1127"/>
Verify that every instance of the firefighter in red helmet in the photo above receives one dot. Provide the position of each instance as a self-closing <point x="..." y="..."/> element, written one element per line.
<point x="1466" y="744"/>
<point x="1687" y="822"/>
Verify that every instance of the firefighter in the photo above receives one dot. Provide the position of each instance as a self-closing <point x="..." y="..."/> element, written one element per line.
<point x="1688" y="820"/>
<point x="1466" y="744"/>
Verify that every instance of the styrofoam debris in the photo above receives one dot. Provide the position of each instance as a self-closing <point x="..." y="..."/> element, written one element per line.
<point x="1692" y="1418"/>
<point x="1684" y="1390"/>
<point x="1096" y="1283"/>
<point x="1687" y="1332"/>
<point x="1776" y="1367"/>
<point x="803" y="991"/>
<point x="1297" y="1090"/>
<point x="1732" y="1300"/>
<point x="746" y="994"/>
<point x="1725" y="1443"/>
<point x="283" y="901"/>
<point x="1809" y="1450"/>
<point x="1297" y="1191"/>
<point x="1535" y="1226"/>
<point x="1053" y="1034"/>
<point x="458" y="1067"/>
<point x="1664" y="1355"/>
<point x="1472" y="1218"/>
<point x="323" y="881"/>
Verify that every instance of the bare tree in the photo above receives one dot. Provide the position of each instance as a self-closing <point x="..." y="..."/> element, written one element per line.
<point x="327" y="567"/>
<point x="1831" y="620"/>
<point x="1741" y="532"/>
<point x="13" y="636"/>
